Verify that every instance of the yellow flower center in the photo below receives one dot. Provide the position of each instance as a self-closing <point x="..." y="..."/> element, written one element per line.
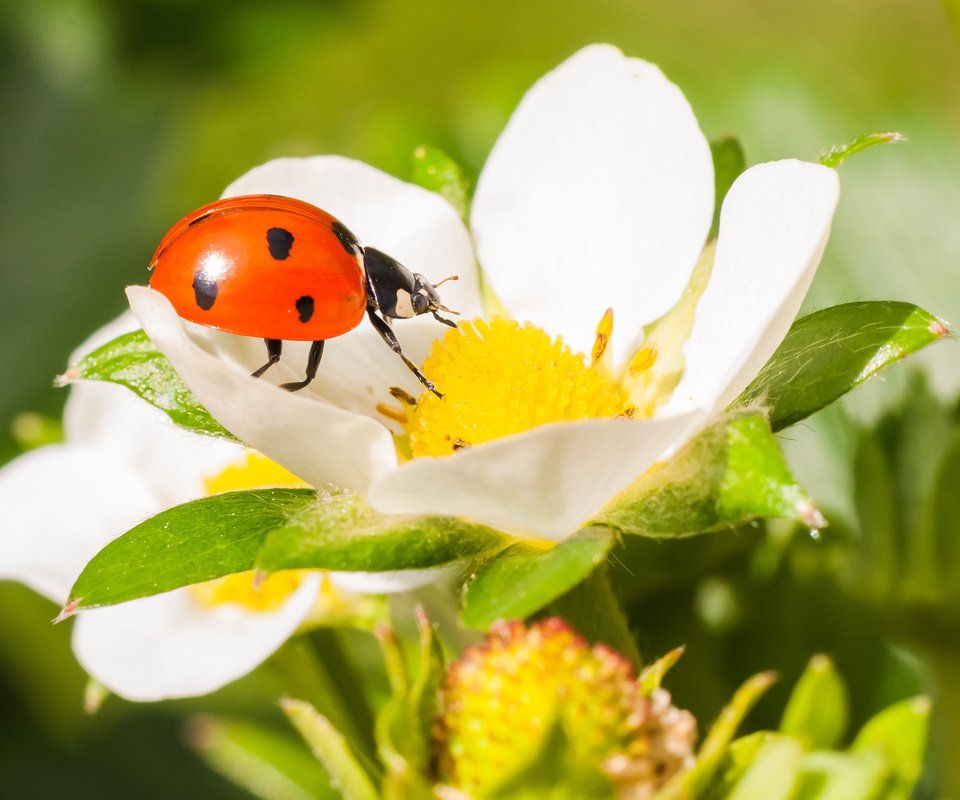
<point x="501" y="377"/>
<point x="253" y="592"/>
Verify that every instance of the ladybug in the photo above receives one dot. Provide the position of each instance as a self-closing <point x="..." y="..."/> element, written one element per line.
<point x="277" y="268"/>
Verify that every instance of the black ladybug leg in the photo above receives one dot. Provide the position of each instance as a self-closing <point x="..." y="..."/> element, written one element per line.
<point x="390" y="338"/>
<point x="313" y="363"/>
<point x="273" y="356"/>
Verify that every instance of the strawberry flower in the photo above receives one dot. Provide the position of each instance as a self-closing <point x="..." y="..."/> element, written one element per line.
<point x="598" y="195"/>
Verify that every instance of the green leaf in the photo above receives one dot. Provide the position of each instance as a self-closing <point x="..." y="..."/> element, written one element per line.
<point x="733" y="471"/>
<point x="268" y="529"/>
<point x="829" y="352"/>
<point x="332" y="750"/>
<point x="773" y="773"/>
<point x="342" y="532"/>
<point x="133" y="361"/>
<point x="728" y="162"/>
<point x="269" y="765"/>
<point x="818" y="709"/>
<point x="522" y="579"/>
<point x="839" y="153"/>
<point x="842" y="776"/>
<point x="715" y="747"/>
<point x="187" y="544"/>
<point x="435" y="170"/>
<point x="899" y="734"/>
<point x="404" y="726"/>
<point x="551" y="771"/>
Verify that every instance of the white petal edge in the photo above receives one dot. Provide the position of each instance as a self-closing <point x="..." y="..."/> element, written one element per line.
<point x="388" y="582"/>
<point x="144" y="440"/>
<point x="543" y="483"/>
<point x="774" y="227"/>
<point x="324" y="445"/>
<point x="599" y="193"/>
<point x="59" y="505"/>
<point x="171" y="646"/>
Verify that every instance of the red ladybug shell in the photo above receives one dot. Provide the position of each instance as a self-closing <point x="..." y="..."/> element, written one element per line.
<point x="263" y="265"/>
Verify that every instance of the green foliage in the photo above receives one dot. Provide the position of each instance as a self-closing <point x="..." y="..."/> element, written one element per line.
<point x="234" y="532"/>
<point x="133" y="361"/>
<point x="268" y="764"/>
<point x="829" y="352"/>
<point x="728" y="162"/>
<point x="36" y="430"/>
<point x="818" y="709"/>
<point x="732" y="472"/>
<point x="523" y="578"/>
<point x="435" y="170"/>
<point x="837" y="154"/>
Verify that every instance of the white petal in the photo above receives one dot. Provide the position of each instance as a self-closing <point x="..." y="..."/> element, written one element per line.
<point x="389" y="582"/>
<point x="172" y="646"/>
<point x="58" y="506"/>
<point x="599" y="193"/>
<point x="320" y="443"/>
<point x="415" y="226"/>
<point x="125" y="323"/>
<point x="142" y="439"/>
<point x="545" y="482"/>
<point x="773" y="229"/>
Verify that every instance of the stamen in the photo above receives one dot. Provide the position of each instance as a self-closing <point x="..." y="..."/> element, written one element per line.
<point x="644" y="358"/>
<point x="502" y="377"/>
<point x="604" y="331"/>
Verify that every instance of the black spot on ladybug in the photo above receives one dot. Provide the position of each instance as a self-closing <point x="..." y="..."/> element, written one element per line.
<point x="205" y="290"/>
<point x="279" y="240"/>
<point x="305" y="308"/>
<point x="350" y="242"/>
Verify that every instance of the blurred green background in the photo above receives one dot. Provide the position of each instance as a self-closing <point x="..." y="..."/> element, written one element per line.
<point x="121" y="115"/>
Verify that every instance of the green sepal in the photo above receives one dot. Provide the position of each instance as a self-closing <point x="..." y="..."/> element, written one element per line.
<point x="899" y="735"/>
<point x="716" y="745"/>
<point x="332" y="750"/>
<point x="818" y="709"/>
<point x="267" y="530"/>
<point x="653" y="674"/>
<point x="133" y="361"/>
<point x="552" y="771"/>
<point x="830" y="352"/>
<point x="523" y="578"/>
<point x="839" y="153"/>
<point x="268" y="764"/>
<point x="730" y="473"/>
<point x="844" y="776"/>
<point x="433" y="169"/>
<point x="404" y="726"/>
<point x="773" y="774"/>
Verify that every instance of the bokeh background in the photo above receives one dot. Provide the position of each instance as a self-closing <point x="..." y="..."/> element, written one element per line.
<point x="121" y="115"/>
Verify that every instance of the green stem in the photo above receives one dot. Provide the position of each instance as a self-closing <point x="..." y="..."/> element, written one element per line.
<point x="592" y="610"/>
<point x="313" y="668"/>
<point x="944" y="662"/>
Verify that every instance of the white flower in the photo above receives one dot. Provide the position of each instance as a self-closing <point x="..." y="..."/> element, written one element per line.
<point x="599" y="194"/>
<point x="122" y="462"/>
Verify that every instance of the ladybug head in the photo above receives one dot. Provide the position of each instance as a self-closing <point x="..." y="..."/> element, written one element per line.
<point x="400" y="293"/>
<point x="425" y="299"/>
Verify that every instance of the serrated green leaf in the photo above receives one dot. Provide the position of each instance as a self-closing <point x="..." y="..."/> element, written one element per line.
<point x="187" y="544"/>
<point x="332" y="750"/>
<point x="773" y="773"/>
<point x="342" y="532"/>
<point x="818" y="709"/>
<point x="829" y="352"/>
<point x="839" y="153"/>
<point x="268" y="764"/>
<point x="842" y="776"/>
<point x="551" y="771"/>
<point x="133" y="361"/>
<point x="728" y="162"/>
<point x="435" y="170"/>
<point x="899" y="735"/>
<point x="731" y="472"/>
<point x="522" y="579"/>
<point x="693" y="783"/>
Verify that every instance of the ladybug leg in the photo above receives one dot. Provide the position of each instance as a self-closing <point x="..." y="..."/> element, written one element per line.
<point x="313" y="363"/>
<point x="391" y="339"/>
<point x="273" y="356"/>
